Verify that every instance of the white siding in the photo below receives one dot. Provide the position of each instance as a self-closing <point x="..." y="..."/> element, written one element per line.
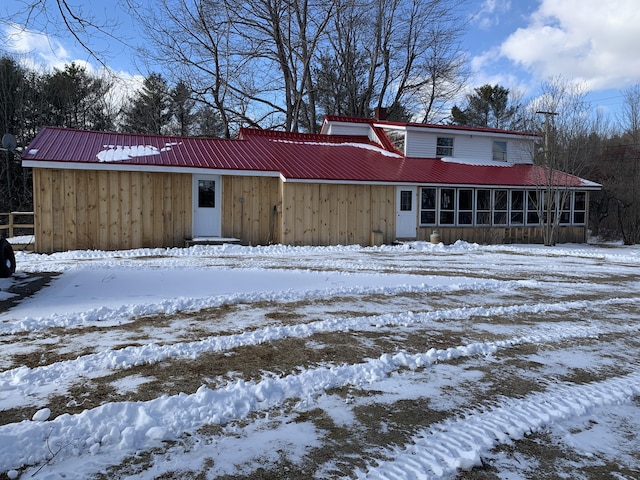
<point x="348" y="129"/>
<point x="473" y="147"/>
<point x="520" y="151"/>
<point x="422" y="144"/>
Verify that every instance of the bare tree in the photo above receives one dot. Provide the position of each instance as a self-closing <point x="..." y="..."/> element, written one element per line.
<point x="402" y="54"/>
<point x="630" y="113"/>
<point x="272" y="63"/>
<point x="571" y="131"/>
<point x="621" y="170"/>
<point x="61" y="17"/>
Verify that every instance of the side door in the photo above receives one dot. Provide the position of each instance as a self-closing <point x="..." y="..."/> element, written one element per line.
<point x="206" y="205"/>
<point x="406" y="212"/>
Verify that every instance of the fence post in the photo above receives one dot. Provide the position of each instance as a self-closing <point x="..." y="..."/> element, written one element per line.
<point x="10" y="224"/>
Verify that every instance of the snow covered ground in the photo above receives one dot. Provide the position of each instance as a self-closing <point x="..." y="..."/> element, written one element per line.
<point x="411" y="361"/>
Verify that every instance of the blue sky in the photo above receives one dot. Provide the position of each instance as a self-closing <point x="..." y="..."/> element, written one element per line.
<point x="515" y="43"/>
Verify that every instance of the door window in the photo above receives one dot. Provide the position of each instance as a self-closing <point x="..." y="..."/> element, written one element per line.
<point x="206" y="193"/>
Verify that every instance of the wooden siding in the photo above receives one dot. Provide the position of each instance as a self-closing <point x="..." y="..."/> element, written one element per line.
<point x="251" y="209"/>
<point x="110" y="210"/>
<point x="335" y="214"/>
<point x="502" y="235"/>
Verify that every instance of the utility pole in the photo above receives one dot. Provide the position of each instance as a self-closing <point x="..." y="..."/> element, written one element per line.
<point x="548" y="116"/>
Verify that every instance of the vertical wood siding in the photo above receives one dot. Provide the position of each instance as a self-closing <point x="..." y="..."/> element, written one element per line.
<point x="110" y="210"/>
<point x="251" y="209"/>
<point x="331" y="214"/>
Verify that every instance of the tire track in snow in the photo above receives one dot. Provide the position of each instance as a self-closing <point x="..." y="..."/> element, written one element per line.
<point x="173" y="306"/>
<point x="454" y="445"/>
<point x="23" y="385"/>
<point x="113" y="431"/>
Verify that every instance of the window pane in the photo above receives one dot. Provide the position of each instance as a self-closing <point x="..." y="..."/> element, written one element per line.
<point x="517" y="218"/>
<point x="483" y="199"/>
<point x="517" y="200"/>
<point x="428" y="218"/>
<point x="406" y="197"/>
<point x="533" y="218"/>
<point x="206" y="193"/>
<point x="483" y="218"/>
<point x="465" y="218"/>
<point x="578" y="218"/>
<point x="500" y="151"/>
<point x="428" y="199"/>
<point x="447" y="218"/>
<point x="500" y="200"/>
<point x="580" y="201"/>
<point x="465" y="199"/>
<point x="532" y="201"/>
<point x="444" y="147"/>
<point x="447" y="199"/>
<point x="500" y="218"/>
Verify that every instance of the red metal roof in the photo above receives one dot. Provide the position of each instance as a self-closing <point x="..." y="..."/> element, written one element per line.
<point x="294" y="156"/>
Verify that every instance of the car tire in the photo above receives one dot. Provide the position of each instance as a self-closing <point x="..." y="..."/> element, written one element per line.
<point x="7" y="259"/>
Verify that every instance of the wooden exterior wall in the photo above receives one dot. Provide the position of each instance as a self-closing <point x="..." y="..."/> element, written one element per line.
<point x="110" y="210"/>
<point x="251" y="209"/>
<point x="334" y="214"/>
<point x="502" y="235"/>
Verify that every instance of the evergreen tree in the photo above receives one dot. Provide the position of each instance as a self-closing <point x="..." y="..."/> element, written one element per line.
<point x="151" y="110"/>
<point x="207" y="123"/>
<point x="15" y="182"/>
<point x="76" y="99"/>
<point x="183" y="106"/>
<point x="490" y="107"/>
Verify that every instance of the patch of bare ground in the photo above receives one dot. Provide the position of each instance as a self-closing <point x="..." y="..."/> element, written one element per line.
<point x="25" y="285"/>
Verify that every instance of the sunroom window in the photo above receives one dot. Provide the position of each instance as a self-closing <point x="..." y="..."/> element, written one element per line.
<point x="428" y="206"/>
<point x="517" y="207"/>
<point x="447" y="206"/>
<point x="580" y="208"/>
<point x="501" y="207"/>
<point x="465" y="206"/>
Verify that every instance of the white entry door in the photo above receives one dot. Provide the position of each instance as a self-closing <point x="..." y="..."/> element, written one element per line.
<point x="206" y="205"/>
<point x="406" y="212"/>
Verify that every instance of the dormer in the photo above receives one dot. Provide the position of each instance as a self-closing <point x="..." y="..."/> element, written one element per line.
<point x="469" y="144"/>
<point x="450" y="142"/>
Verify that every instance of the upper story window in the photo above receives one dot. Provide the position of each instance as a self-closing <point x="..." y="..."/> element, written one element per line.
<point x="444" y="147"/>
<point x="500" y="151"/>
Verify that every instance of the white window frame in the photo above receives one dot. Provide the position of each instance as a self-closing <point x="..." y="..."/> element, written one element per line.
<point x="499" y="151"/>
<point x="524" y="213"/>
<point x="443" y="149"/>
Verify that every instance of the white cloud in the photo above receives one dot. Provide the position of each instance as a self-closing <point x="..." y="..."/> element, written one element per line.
<point x="489" y="14"/>
<point x="589" y="41"/>
<point x="38" y="49"/>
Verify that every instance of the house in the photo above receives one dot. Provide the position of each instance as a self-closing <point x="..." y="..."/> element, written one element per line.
<point x="358" y="181"/>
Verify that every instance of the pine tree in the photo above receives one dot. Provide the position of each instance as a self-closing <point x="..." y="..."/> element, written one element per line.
<point x="151" y="111"/>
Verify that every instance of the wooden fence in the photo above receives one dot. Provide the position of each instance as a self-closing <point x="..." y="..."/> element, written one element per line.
<point x="13" y="224"/>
